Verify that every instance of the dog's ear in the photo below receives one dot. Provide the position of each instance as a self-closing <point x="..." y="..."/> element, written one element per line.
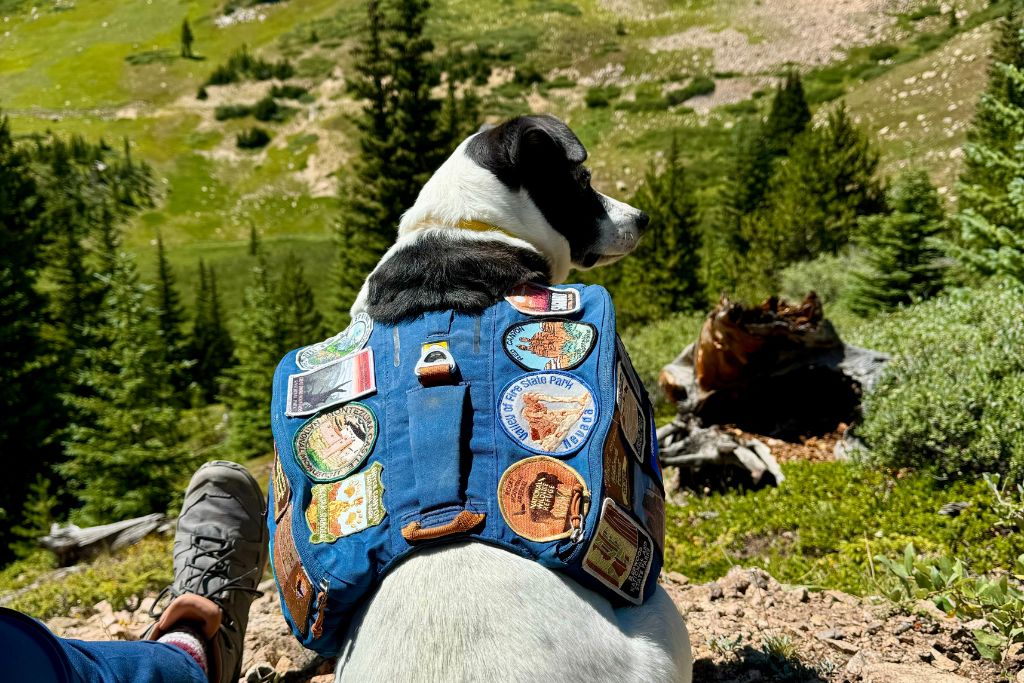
<point x="543" y="139"/>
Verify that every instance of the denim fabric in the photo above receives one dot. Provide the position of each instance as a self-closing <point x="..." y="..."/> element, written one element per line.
<point x="30" y="653"/>
<point x="443" y="452"/>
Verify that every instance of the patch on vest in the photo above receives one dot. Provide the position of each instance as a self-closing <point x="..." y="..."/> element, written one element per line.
<point x="282" y="491"/>
<point x="548" y="412"/>
<point x="346" y="507"/>
<point x="531" y="299"/>
<point x="343" y="380"/>
<point x="331" y="445"/>
<point x="620" y="554"/>
<point x="617" y="469"/>
<point x="349" y="340"/>
<point x="630" y="414"/>
<point x="292" y="580"/>
<point x="549" y="344"/>
<point x="653" y="506"/>
<point x="542" y="499"/>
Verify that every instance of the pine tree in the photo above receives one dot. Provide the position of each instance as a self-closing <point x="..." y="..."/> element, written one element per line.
<point x="37" y="515"/>
<point x="301" y="323"/>
<point x="402" y="137"/>
<point x="662" y="274"/>
<point x="254" y="240"/>
<point x="818" y="193"/>
<point x="125" y="452"/>
<point x="211" y="345"/>
<point x="991" y="192"/>
<point x="30" y="414"/>
<point x="992" y="137"/>
<point x="170" y="322"/>
<point x="417" y="147"/>
<point x="258" y="349"/>
<point x="186" y="39"/>
<point x="901" y="255"/>
<point x="789" y="115"/>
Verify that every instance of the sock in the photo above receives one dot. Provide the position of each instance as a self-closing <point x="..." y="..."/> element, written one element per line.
<point x="190" y="641"/>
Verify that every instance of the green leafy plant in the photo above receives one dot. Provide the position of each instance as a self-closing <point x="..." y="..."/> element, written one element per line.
<point x="966" y="347"/>
<point x="948" y="584"/>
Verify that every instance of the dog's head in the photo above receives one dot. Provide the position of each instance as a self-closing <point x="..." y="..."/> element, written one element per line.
<point x="527" y="176"/>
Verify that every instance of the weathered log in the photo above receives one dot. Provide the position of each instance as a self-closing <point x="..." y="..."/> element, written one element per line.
<point x="72" y="543"/>
<point x="774" y="369"/>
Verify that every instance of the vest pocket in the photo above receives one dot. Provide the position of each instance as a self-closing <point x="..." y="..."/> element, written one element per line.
<point x="439" y="446"/>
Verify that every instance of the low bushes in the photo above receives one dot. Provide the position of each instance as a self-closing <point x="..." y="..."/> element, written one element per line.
<point x="253" y="138"/>
<point x="700" y="85"/>
<point x="952" y="400"/>
<point x="242" y="64"/>
<point x="601" y="95"/>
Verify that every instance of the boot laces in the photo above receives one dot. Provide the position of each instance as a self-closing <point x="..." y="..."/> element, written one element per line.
<point x="220" y="550"/>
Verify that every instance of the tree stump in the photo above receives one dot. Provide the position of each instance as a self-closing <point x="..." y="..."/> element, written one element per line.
<point x="775" y="369"/>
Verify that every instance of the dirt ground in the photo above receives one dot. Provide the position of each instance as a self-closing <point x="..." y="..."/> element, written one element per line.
<point x="744" y="627"/>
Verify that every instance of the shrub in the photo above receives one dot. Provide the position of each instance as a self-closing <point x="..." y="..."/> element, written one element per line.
<point x="647" y="98"/>
<point x="924" y="12"/>
<point x="140" y="569"/>
<point x="253" y="138"/>
<point x="560" y="82"/>
<point x="202" y="94"/>
<point x="566" y="8"/>
<point x="601" y="95"/>
<point x="828" y="275"/>
<point x="528" y="75"/>
<point x="700" y="85"/>
<point x="878" y="53"/>
<point x="222" y="75"/>
<point x="952" y="400"/>
<point x="948" y="583"/>
<point x="288" y="92"/>
<point x="267" y="110"/>
<point x="231" y="111"/>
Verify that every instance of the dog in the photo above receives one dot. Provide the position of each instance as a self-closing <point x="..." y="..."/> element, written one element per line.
<point x="513" y="203"/>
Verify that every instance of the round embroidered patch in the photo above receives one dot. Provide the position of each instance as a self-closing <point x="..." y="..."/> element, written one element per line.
<point x="542" y="499"/>
<point x="332" y="444"/>
<point x="352" y="338"/>
<point x="282" y="492"/>
<point x="548" y="412"/>
<point x="549" y="344"/>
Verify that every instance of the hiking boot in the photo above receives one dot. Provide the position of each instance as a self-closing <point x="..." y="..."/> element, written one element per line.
<point x="220" y="551"/>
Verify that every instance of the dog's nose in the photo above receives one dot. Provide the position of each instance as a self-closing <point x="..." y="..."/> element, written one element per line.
<point x="642" y="219"/>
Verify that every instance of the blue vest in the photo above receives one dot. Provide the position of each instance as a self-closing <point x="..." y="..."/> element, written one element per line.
<point x="538" y="438"/>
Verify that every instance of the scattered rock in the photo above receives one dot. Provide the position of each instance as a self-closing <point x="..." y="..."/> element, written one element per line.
<point x="907" y="673"/>
<point x="830" y="634"/>
<point x="902" y="628"/>
<point x="715" y="592"/>
<point x="842" y="646"/>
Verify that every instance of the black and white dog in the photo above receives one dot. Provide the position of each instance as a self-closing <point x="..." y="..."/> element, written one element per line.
<point x="512" y="204"/>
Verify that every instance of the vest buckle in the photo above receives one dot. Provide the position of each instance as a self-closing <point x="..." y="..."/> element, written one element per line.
<point x="436" y="364"/>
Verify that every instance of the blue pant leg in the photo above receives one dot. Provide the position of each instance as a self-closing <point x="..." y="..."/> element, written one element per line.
<point x="30" y="653"/>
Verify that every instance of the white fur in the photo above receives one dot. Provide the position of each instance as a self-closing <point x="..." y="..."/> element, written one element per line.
<point x="472" y="612"/>
<point x="619" y="231"/>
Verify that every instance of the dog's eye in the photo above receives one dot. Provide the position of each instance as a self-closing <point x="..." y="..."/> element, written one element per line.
<point x="585" y="177"/>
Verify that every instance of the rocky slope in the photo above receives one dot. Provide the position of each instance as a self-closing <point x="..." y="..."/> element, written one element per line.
<point x="744" y="627"/>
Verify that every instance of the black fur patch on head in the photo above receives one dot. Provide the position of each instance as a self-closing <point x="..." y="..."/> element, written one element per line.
<point x="439" y="272"/>
<point x="543" y="156"/>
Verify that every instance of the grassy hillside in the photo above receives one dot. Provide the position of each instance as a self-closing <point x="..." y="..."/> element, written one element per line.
<point x="111" y="69"/>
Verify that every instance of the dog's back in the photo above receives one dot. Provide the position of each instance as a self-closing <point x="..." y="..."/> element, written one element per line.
<point x="500" y="617"/>
<point x="470" y="611"/>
